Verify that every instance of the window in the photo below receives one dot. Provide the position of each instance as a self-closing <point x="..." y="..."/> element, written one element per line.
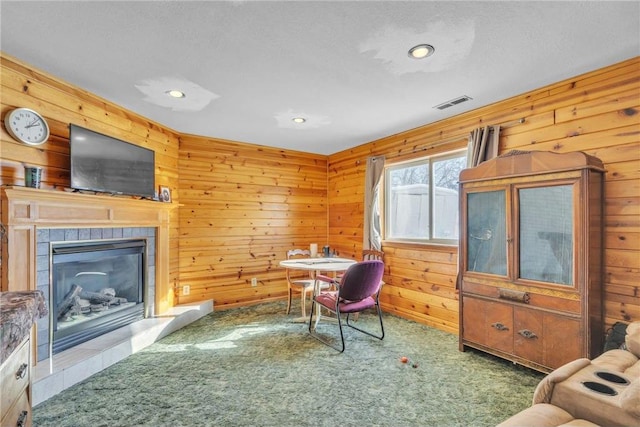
<point x="421" y="199"/>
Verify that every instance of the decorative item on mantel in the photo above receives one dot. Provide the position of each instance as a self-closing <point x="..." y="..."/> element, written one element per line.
<point x="32" y="176"/>
<point x="165" y="194"/>
<point x="18" y="312"/>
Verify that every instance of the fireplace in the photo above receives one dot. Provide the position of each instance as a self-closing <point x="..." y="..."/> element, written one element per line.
<point x="35" y="219"/>
<point x="96" y="287"/>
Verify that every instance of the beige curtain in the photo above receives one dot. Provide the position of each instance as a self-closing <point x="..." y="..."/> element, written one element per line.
<point x="372" y="228"/>
<point x="483" y="145"/>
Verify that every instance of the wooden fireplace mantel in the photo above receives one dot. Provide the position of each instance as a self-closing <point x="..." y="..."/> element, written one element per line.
<point x="25" y="210"/>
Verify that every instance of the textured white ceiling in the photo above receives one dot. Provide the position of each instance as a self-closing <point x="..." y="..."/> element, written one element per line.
<point x="248" y="67"/>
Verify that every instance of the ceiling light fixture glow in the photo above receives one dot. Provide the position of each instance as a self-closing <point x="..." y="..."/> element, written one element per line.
<point x="299" y="120"/>
<point x="421" y="51"/>
<point x="176" y="93"/>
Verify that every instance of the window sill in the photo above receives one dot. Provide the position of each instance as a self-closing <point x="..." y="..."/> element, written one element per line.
<point x="421" y="245"/>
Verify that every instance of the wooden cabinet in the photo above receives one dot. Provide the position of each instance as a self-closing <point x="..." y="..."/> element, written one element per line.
<point x="15" y="377"/>
<point x="531" y="256"/>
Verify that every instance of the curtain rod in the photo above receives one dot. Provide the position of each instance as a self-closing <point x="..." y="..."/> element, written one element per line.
<point x="455" y="138"/>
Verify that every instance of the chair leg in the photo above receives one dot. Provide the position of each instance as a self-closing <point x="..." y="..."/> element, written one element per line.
<point x="289" y="301"/>
<point x="381" y="336"/>
<point x="303" y="301"/>
<point x="313" y="332"/>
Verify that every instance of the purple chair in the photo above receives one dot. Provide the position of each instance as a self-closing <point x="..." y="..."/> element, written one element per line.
<point x="358" y="290"/>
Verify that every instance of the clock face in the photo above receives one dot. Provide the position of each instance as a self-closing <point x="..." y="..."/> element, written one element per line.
<point x="27" y="126"/>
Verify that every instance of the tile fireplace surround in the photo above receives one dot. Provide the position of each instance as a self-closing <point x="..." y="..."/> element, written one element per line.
<point x="45" y="236"/>
<point x="30" y="217"/>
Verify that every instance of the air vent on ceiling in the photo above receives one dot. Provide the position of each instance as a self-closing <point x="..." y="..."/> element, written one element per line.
<point x="452" y="102"/>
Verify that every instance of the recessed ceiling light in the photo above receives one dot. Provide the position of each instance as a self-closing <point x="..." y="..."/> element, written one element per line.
<point x="421" y="51"/>
<point x="299" y="120"/>
<point x="176" y="93"/>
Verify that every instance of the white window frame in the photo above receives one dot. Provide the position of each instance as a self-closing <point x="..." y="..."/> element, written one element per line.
<point x="386" y="199"/>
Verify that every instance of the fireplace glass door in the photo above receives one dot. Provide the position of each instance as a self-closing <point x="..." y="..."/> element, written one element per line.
<point x="96" y="287"/>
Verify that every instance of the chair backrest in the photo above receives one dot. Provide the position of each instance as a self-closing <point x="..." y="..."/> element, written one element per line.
<point x="361" y="280"/>
<point x="369" y="254"/>
<point x="296" y="254"/>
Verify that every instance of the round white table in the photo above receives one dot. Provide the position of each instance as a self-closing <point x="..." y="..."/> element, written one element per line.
<point x="315" y="265"/>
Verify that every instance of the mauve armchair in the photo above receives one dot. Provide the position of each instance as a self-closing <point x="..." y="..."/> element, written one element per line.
<point x="357" y="290"/>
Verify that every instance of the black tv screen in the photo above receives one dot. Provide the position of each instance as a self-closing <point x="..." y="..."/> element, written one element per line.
<point x="104" y="164"/>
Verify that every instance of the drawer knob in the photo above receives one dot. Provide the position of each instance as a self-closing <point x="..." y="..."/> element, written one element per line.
<point x="22" y="371"/>
<point x="22" y="419"/>
<point x="527" y="334"/>
<point x="499" y="326"/>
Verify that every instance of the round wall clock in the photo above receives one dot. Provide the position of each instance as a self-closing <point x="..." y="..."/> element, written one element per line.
<point x="27" y="126"/>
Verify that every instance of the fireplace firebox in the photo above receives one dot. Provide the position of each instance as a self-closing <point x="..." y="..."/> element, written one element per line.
<point x="96" y="287"/>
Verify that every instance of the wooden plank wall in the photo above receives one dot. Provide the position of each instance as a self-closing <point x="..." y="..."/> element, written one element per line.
<point x="242" y="207"/>
<point x="61" y="104"/>
<point x="598" y="113"/>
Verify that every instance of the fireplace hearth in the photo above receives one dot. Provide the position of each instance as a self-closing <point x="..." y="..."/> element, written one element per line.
<point x="96" y="287"/>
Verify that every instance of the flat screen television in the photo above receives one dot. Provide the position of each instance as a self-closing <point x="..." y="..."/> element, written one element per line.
<point x="105" y="164"/>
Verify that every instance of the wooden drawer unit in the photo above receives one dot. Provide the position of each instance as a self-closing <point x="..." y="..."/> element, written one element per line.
<point x="529" y="336"/>
<point x="15" y="377"/>
<point x="531" y="258"/>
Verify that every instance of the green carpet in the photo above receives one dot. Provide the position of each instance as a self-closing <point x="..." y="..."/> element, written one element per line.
<point x="254" y="367"/>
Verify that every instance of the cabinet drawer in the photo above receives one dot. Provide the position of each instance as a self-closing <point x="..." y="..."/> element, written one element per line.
<point x="473" y="321"/>
<point x="19" y="414"/>
<point x="500" y="326"/>
<point x="547" y="339"/>
<point x="527" y="335"/>
<point x="488" y="323"/>
<point x="14" y="375"/>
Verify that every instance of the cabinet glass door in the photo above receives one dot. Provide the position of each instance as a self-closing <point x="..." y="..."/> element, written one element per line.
<point x="546" y="234"/>
<point x="486" y="232"/>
